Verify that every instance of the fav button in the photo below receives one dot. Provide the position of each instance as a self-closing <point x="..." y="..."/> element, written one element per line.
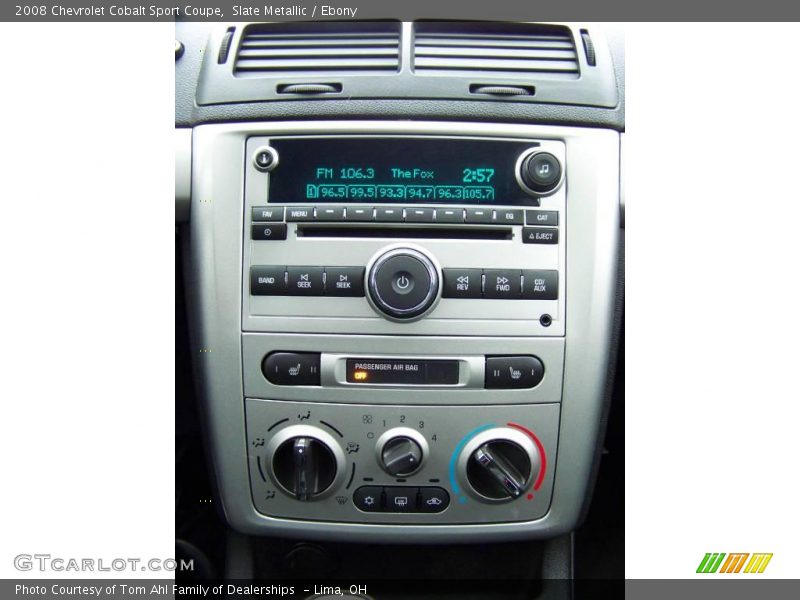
<point x="305" y="281"/>
<point x="268" y="213"/>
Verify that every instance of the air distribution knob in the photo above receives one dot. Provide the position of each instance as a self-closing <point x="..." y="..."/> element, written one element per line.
<point x="401" y="451"/>
<point x="499" y="465"/>
<point x="307" y="464"/>
<point x="540" y="172"/>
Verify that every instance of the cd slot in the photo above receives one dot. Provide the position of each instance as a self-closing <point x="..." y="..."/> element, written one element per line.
<point x="363" y="231"/>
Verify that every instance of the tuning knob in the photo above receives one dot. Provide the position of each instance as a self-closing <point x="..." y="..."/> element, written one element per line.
<point x="306" y="462"/>
<point x="538" y="172"/>
<point x="499" y="465"/>
<point x="401" y="451"/>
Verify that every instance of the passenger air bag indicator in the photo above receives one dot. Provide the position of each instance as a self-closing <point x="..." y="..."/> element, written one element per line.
<point x="402" y="371"/>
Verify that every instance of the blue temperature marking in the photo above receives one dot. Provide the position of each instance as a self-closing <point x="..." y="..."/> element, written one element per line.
<point x="457" y="451"/>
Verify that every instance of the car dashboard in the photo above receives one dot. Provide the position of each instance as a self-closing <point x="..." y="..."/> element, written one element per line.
<point x="401" y="249"/>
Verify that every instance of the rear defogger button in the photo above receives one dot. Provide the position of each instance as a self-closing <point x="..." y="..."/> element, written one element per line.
<point x="403" y="283"/>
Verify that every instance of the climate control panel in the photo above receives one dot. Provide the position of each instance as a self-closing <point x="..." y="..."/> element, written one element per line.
<point x="401" y="464"/>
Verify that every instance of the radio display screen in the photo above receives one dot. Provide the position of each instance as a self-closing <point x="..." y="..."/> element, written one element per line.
<point x="406" y="170"/>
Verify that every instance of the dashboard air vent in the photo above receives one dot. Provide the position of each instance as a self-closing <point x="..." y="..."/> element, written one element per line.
<point x="517" y="50"/>
<point x="302" y="48"/>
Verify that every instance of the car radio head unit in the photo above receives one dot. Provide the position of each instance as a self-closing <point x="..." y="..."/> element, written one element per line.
<point x="414" y="170"/>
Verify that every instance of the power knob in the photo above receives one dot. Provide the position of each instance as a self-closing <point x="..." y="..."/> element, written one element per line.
<point x="403" y="284"/>
<point x="401" y="451"/>
<point x="305" y="462"/>
<point x="499" y="465"/>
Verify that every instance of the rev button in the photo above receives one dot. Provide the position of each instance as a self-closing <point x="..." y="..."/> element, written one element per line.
<point x="462" y="283"/>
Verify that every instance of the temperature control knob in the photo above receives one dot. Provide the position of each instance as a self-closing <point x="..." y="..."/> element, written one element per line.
<point x="401" y="451"/>
<point x="499" y="465"/>
<point x="305" y="461"/>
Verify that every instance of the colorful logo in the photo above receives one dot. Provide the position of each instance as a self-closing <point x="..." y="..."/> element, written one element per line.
<point x="734" y="562"/>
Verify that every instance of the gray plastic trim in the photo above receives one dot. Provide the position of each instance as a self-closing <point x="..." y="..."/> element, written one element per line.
<point x="215" y="296"/>
<point x="596" y="86"/>
<point x="622" y="185"/>
<point x="183" y="174"/>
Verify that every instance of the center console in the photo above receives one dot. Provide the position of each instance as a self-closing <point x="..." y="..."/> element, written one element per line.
<point x="403" y="328"/>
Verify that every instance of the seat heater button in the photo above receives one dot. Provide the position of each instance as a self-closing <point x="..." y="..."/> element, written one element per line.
<point x="291" y="368"/>
<point x="510" y="372"/>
